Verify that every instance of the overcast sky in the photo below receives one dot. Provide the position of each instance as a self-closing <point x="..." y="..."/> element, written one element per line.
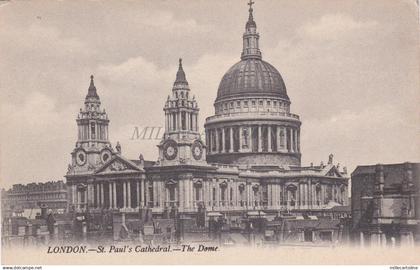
<point x="351" y="69"/>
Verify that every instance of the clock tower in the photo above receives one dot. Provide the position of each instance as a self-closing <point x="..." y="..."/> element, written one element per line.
<point x="181" y="142"/>
<point x="93" y="148"/>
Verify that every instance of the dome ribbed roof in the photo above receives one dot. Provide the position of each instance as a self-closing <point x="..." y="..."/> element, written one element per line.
<point x="252" y="77"/>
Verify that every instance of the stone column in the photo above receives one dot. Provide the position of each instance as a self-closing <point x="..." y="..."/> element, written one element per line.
<point x="137" y="194"/>
<point x="73" y="194"/>
<point x="278" y="138"/>
<point x="188" y="193"/>
<point x="78" y="199"/>
<point x="181" y="194"/>
<point x="205" y="192"/>
<point x="291" y="140"/>
<point x="196" y="121"/>
<point x="129" y="194"/>
<point x="110" y="194"/>
<point x="89" y="196"/>
<point x="241" y="138"/>
<point x="284" y="138"/>
<point x="208" y="141"/>
<point x="231" y="141"/>
<point x="155" y="194"/>
<point x="162" y="191"/>
<point x="187" y="121"/>
<point x="102" y="195"/>
<point x="269" y="139"/>
<point x="218" y="195"/>
<point x="124" y="195"/>
<point x="167" y="128"/>
<point x="298" y="140"/>
<point x="98" y="195"/>
<point x="217" y="140"/>
<point x="223" y="141"/>
<point x="259" y="139"/>
<point x="249" y="194"/>
<point x="114" y="195"/>
<point x="250" y="138"/>
<point x="310" y="203"/>
<point x="235" y="191"/>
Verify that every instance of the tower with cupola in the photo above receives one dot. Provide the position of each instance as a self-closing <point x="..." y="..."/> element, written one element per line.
<point x="92" y="146"/>
<point x="181" y="143"/>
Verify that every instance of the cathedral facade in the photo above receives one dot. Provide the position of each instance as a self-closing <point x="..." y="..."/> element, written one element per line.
<point x="248" y="164"/>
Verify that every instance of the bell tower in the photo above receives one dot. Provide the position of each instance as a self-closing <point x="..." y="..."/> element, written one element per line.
<point x="92" y="147"/>
<point x="181" y="143"/>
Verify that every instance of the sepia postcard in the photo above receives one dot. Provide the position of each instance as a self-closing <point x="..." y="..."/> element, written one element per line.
<point x="237" y="132"/>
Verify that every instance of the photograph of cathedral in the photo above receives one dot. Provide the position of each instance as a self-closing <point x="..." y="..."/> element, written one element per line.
<point x="234" y="177"/>
<point x="246" y="171"/>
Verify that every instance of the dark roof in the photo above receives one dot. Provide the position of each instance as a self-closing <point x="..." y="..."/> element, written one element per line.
<point x="147" y="163"/>
<point x="393" y="173"/>
<point x="341" y="208"/>
<point x="252" y="77"/>
<point x="321" y="224"/>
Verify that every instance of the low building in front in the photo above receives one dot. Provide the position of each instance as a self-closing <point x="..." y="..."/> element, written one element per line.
<point x="385" y="204"/>
<point x="27" y="200"/>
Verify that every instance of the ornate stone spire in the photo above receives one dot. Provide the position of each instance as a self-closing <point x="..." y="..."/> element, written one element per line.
<point x="92" y="89"/>
<point x="251" y="37"/>
<point x="180" y="75"/>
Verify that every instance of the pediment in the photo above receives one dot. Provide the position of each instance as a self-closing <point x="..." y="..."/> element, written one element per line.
<point x="333" y="172"/>
<point x="118" y="164"/>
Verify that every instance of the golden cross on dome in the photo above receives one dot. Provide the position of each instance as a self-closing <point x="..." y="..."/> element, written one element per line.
<point x="250" y="3"/>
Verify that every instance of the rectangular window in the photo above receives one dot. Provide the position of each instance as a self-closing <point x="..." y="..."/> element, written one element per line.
<point x="191" y="121"/>
<point x="173" y="121"/>
<point x="183" y="121"/>
<point x="197" y="193"/>
<point x="172" y="193"/>
<point x="92" y="130"/>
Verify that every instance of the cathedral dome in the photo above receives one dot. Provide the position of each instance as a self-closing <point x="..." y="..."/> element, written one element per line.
<point x="252" y="77"/>
<point x="252" y="123"/>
